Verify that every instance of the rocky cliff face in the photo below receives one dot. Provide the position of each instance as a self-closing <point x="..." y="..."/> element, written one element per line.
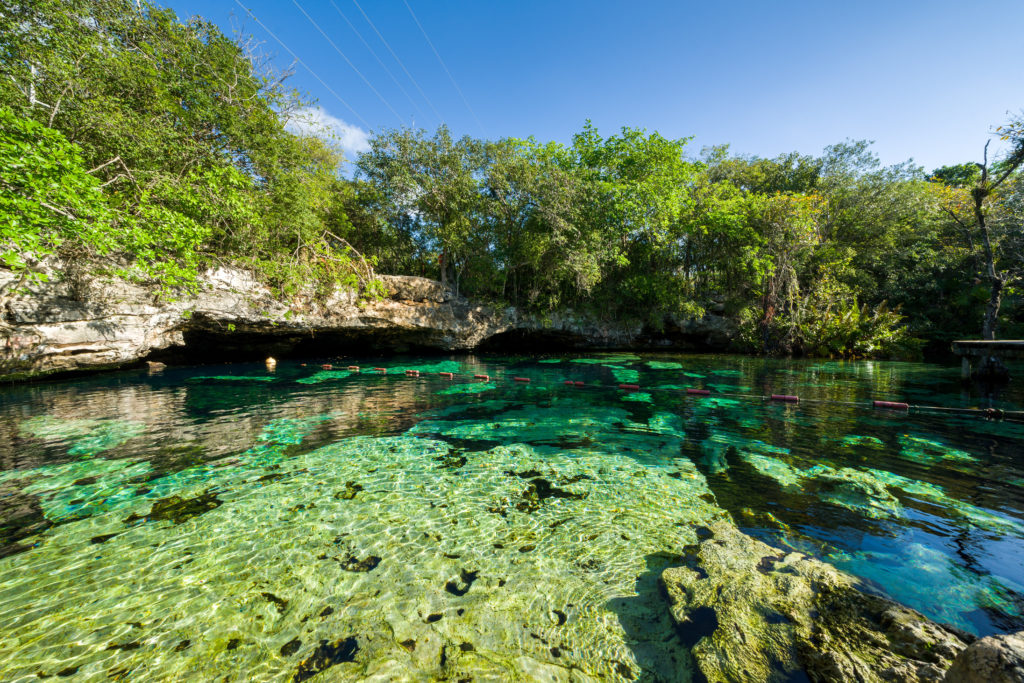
<point x="106" y="322"/>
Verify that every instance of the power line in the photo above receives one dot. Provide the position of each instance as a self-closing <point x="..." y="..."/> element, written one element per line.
<point x="379" y="61"/>
<point x="443" y="65"/>
<point x="349" y="62"/>
<point x="432" y="107"/>
<point x="306" y="66"/>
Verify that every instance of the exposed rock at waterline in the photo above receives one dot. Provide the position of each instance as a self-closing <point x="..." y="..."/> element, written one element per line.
<point x="995" y="659"/>
<point x="105" y="322"/>
<point x="756" y="613"/>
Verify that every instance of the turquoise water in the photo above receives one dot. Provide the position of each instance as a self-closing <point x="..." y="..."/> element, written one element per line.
<point x="230" y="521"/>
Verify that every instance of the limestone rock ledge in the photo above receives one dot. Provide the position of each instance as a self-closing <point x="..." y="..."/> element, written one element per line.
<point x="756" y="613"/>
<point x="106" y="322"/>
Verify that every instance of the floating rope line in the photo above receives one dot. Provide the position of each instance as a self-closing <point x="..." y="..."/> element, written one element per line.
<point x="697" y="394"/>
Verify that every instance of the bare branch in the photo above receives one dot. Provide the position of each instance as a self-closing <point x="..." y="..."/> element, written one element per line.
<point x="62" y="212"/>
<point x="105" y="164"/>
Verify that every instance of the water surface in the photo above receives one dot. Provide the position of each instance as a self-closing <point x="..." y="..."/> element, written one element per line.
<point x="229" y="521"/>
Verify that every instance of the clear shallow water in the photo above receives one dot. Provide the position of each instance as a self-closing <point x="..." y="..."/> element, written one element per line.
<point x="228" y="521"/>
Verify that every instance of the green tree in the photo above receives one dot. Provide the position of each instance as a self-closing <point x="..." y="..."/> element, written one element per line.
<point x="985" y="211"/>
<point x="47" y="198"/>
<point x="185" y="132"/>
<point x="434" y="181"/>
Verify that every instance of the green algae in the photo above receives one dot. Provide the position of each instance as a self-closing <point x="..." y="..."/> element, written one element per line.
<point x="608" y="359"/>
<point x="219" y="379"/>
<point x="754" y="613"/>
<point x="855" y="490"/>
<point x="936" y="494"/>
<point x="490" y="564"/>
<point x="709" y="402"/>
<point x="85" y="488"/>
<point x="637" y="396"/>
<point x="664" y="365"/>
<point x="850" y="440"/>
<point x="667" y="423"/>
<point x="729" y="388"/>
<point x="178" y="510"/>
<point x="466" y="389"/>
<point x="752" y="423"/>
<point x="624" y="375"/>
<point x="292" y="431"/>
<point x="324" y="376"/>
<point x="825" y="450"/>
<point x="428" y="368"/>
<point x="784" y="473"/>
<point x="867" y="492"/>
<point x="925" y="450"/>
<point x="550" y="360"/>
<point x="82" y="488"/>
<point x="86" y="436"/>
<point x="568" y="424"/>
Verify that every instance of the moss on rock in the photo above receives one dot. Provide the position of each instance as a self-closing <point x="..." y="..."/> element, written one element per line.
<point x="756" y="613"/>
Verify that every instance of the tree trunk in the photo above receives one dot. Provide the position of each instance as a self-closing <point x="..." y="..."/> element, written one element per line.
<point x="995" y="282"/>
<point x="443" y="263"/>
<point x="988" y="326"/>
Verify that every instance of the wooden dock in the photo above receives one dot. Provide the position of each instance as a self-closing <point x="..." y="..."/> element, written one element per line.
<point x="969" y="349"/>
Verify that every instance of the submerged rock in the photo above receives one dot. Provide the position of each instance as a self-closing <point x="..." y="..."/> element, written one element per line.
<point x="756" y="613"/>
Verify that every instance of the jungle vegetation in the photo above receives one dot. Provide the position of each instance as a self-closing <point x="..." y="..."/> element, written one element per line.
<point x="131" y="137"/>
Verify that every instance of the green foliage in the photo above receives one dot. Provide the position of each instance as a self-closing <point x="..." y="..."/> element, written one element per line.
<point x="161" y="146"/>
<point x="958" y="175"/>
<point x="184" y="135"/>
<point x="47" y="196"/>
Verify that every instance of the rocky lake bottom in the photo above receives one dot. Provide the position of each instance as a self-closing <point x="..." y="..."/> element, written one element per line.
<point x="233" y="523"/>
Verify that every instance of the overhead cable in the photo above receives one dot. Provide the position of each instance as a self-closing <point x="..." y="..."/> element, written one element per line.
<point x="445" y="67"/>
<point x="379" y="60"/>
<point x="349" y="62"/>
<point x="432" y="107"/>
<point x="304" y="65"/>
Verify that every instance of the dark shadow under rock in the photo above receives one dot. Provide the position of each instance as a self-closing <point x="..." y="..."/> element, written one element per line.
<point x="652" y="634"/>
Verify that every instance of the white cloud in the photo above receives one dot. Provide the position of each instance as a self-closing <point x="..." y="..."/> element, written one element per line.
<point x="317" y="122"/>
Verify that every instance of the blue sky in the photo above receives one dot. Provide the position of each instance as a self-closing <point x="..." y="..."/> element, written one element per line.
<point x="927" y="80"/>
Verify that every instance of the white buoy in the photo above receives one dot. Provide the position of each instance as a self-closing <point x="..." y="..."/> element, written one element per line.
<point x="271" y="363"/>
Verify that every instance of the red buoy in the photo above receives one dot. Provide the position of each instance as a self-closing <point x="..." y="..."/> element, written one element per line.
<point x="327" y="366"/>
<point x="630" y="387"/>
<point x="486" y="378"/>
<point x="568" y="383"/>
<point x="383" y="371"/>
<point x="785" y="397"/>
<point x="447" y="375"/>
<point x="354" y="368"/>
<point x="698" y="392"/>
<point x="520" y="379"/>
<point x="891" y="405"/>
<point x="412" y="373"/>
<point x="578" y="384"/>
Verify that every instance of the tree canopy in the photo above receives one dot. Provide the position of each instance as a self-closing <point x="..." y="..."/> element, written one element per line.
<point x="164" y="147"/>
